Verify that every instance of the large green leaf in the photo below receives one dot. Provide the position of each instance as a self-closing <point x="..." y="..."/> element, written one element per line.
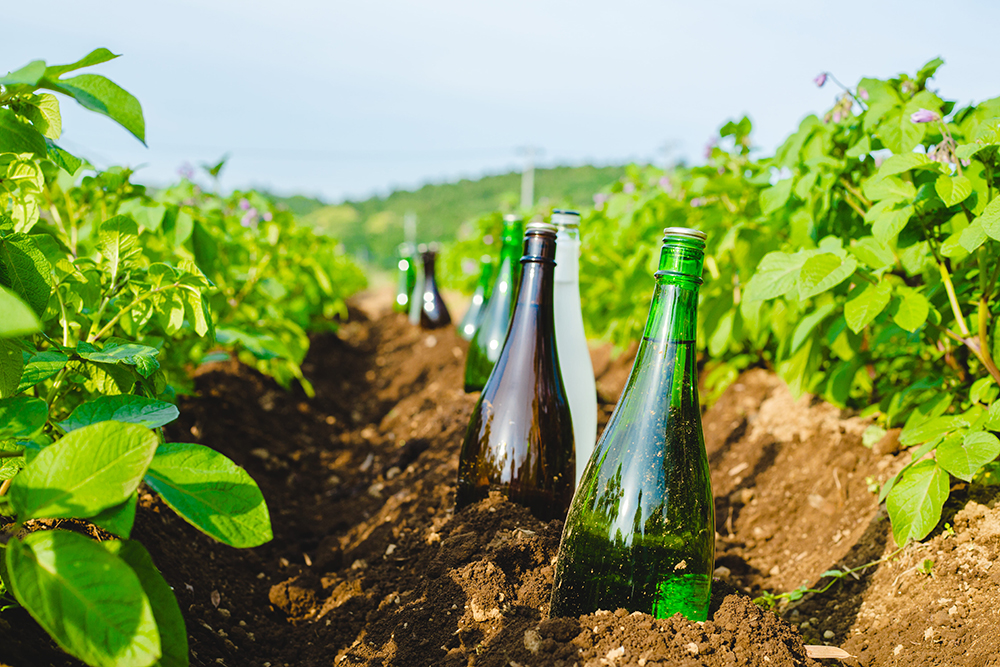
<point x="17" y="136"/>
<point x="990" y="219"/>
<point x="142" y="357"/>
<point x="952" y="189"/>
<point x="88" y="599"/>
<point x="63" y="159"/>
<point x="916" y="500"/>
<point x="963" y="457"/>
<point x="888" y="225"/>
<point x="21" y="416"/>
<point x="912" y="309"/>
<point x="973" y="236"/>
<point x="104" y="96"/>
<point x="864" y="304"/>
<point x="26" y="76"/>
<point x="897" y="164"/>
<point x="18" y="318"/>
<point x="121" y="408"/>
<point x="922" y="431"/>
<point x="118" y="240"/>
<point x="210" y="492"/>
<point x="24" y="269"/>
<point x="88" y="470"/>
<point x="169" y="620"/>
<point x="40" y="367"/>
<point x="11" y="366"/>
<point x="824" y="271"/>
<point x="776" y="275"/>
<point x="773" y="198"/>
<point x="118" y="520"/>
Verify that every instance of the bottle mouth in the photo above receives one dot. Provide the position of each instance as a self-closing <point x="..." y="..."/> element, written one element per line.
<point x="539" y="226"/>
<point x="684" y="232"/>
<point x="565" y="218"/>
<point x="511" y="217"/>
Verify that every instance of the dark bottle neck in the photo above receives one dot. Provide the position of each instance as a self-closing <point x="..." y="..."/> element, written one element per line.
<point x="429" y="258"/>
<point x="537" y="268"/>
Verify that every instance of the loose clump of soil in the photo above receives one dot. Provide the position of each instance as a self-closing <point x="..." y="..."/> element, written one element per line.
<point x="370" y="565"/>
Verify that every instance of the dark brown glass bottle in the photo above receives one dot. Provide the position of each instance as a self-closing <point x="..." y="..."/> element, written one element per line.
<point x="520" y="438"/>
<point x="433" y="312"/>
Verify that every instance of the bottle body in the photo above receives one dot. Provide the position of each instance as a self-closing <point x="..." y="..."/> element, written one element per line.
<point x="641" y="531"/>
<point x="574" y="355"/>
<point x="484" y="349"/>
<point x="470" y="322"/>
<point x="520" y="438"/>
<point x="433" y="311"/>
<point x="416" y="295"/>
<point x="407" y="279"/>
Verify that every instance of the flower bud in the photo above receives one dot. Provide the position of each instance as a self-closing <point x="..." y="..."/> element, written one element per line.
<point x="924" y="116"/>
<point x="820" y="80"/>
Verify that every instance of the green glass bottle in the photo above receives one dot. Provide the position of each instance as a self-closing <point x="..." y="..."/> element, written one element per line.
<point x="470" y="321"/>
<point x="520" y="436"/>
<point x="407" y="278"/>
<point x="640" y="534"/>
<point x="484" y="349"/>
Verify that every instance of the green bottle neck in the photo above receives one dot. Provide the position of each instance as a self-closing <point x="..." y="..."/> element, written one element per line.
<point x="673" y="314"/>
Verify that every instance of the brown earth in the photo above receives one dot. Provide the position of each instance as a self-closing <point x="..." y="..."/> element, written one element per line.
<point x="370" y="565"/>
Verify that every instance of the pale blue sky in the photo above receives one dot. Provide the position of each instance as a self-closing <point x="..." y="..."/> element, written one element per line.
<point x="342" y="99"/>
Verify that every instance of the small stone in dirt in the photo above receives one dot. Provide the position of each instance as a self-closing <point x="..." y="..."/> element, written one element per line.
<point x="392" y="472"/>
<point x="532" y="640"/>
<point x="616" y="653"/>
<point x="359" y="564"/>
<point x="260" y="453"/>
<point x="216" y="598"/>
<point x="367" y="463"/>
<point x="389" y="550"/>
<point x="828" y="634"/>
<point x="693" y="648"/>
<point x="431" y="341"/>
<point x="224" y="613"/>
<point x="722" y="572"/>
<point x="375" y="490"/>
<point x="898" y="649"/>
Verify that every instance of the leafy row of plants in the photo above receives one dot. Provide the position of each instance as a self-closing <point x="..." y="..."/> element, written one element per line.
<point x="110" y="295"/>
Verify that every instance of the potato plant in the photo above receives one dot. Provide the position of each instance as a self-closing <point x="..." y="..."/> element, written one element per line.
<point x="858" y="261"/>
<point x="109" y="294"/>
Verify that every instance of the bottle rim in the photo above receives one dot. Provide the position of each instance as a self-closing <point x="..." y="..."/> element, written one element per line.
<point x="511" y="217"/>
<point x="565" y="218"/>
<point x="686" y="232"/>
<point x="539" y="226"/>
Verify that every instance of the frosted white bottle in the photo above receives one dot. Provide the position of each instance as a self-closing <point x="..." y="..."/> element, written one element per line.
<point x="571" y="342"/>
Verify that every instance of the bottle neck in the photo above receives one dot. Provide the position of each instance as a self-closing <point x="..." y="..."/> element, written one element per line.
<point x="534" y="296"/>
<point x="568" y="255"/>
<point x="673" y="315"/>
<point x="429" y="267"/>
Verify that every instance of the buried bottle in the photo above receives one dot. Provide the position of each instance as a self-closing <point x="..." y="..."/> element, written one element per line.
<point x="433" y="312"/>
<point x="574" y="355"/>
<point x="484" y="349"/>
<point x="520" y="437"/>
<point x="407" y="278"/>
<point x="470" y="322"/>
<point x="640" y="533"/>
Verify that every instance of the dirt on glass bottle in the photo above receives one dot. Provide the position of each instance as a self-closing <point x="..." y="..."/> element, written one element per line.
<point x="640" y="534"/>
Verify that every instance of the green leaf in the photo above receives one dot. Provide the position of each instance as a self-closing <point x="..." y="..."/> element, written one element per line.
<point x="40" y="367"/>
<point x="88" y="470"/>
<point x="17" y="136"/>
<point x="928" y="430"/>
<point x="983" y="390"/>
<point x="18" y="318"/>
<point x="990" y="219"/>
<point x="776" y="275"/>
<point x="95" y="57"/>
<point x="973" y="236"/>
<point x="775" y="197"/>
<point x="169" y="620"/>
<point x="118" y="520"/>
<point x="871" y="252"/>
<point x="912" y="309"/>
<point x="963" y="457"/>
<point x="104" y="96"/>
<point x="822" y="272"/>
<point x="142" y="357"/>
<point x="11" y="366"/>
<point x="916" y="500"/>
<point x="719" y="340"/>
<point x="63" y="159"/>
<point x="89" y="600"/>
<point x="122" y="408"/>
<point x="211" y="493"/>
<point x="952" y="189"/>
<point x="898" y="133"/>
<point x="26" y="76"/>
<point x="863" y="147"/>
<point x="993" y="417"/>
<point x="807" y="324"/>
<point x="24" y="269"/>
<point x="118" y="240"/>
<point x="21" y="416"/>
<point x="898" y="164"/>
<point x="864" y="304"/>
<point x="888" y="225"/>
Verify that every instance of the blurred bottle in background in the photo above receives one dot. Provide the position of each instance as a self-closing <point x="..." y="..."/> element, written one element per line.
<point x="571" y="341"/>
<point x="416" y="296"/>
<point x="467" y="329"/>
<point x="484" y="350"/>
<point x="433" y="311"/>
<point x="520" y="438"/>
<point x="407" y="278"/>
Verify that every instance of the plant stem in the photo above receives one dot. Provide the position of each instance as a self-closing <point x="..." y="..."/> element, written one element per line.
<point x="953" y="299"/>
<point x="114" y="320"/>
<point x="4" y="487"/>
<point x="854" y="191"/>
<point x="11" y="455"/>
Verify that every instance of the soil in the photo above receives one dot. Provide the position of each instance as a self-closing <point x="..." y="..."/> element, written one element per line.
<point x="370" y="565"/>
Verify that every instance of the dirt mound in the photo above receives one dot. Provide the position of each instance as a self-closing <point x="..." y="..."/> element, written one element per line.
<point x="370" y="564"/>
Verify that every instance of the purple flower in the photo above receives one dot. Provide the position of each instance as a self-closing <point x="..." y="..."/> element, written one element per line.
<point x="268" y="216"/>
<point x="665" y="184"/>
<point x="820" y="80"/>
<point x="924" y="116"/>
<point x="697" y="201"/>
<point x="838" y="116"/>
<point x="249" y="218"/>
<point x="186" y="171"/>
<point x="628" y="188"/>
<point x="709" y="147"/>
<point x="599" y="200"/>
<point x="244" y="204"/>
<point x="863" y="94"/>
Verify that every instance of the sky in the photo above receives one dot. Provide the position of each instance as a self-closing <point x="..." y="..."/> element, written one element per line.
<point x="342" y="100"/>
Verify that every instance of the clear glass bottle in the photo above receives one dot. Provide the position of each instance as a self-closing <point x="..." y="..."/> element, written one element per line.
<point x="641" y="530"/>
<point x="484" y="349"/>
<point x="470" y="322"/>
<point x="520" y="437"/>
<point x="574" y="355"/>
